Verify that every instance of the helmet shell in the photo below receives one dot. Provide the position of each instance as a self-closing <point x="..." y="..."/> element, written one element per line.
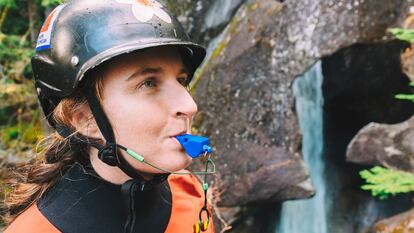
<point x="84" y="34"/>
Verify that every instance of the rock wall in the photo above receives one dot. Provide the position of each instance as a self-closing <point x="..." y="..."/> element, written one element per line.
<point x="391" y="146"/>
<point x="244" y="90"/>
<point x="403" y="223"/>
<point x="253" y="126"/>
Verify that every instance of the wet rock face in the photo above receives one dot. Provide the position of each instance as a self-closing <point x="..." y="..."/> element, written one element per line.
<point x="400" y="223"/>
<point x="391" y="146"/>
<point x="311" y="29"/>
<point x="250" y="119"/>
<point x="204" y="19"/>
<point x="407" y="60"/>
<point x="244" y="93"/>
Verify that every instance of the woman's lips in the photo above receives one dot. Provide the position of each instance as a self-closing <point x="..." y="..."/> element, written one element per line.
<point x="180" y="133"/>
<point x="176" y="144"/>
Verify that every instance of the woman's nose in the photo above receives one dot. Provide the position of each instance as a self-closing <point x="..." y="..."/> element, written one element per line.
<point x="184" y="104"/>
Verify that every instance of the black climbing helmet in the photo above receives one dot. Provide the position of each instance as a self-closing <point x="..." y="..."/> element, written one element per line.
<point x="81" y="34"/>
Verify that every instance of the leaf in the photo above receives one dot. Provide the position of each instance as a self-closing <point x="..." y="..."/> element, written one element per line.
<point x="409" y="97"/>
<point x="383" y="182"/>
<point x="403" y="34"/>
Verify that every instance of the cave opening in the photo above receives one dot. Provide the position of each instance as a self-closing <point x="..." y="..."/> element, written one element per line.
<point x="359" y="86"/>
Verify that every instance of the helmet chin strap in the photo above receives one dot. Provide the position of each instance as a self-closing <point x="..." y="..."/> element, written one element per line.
<point x="109" y="153"/>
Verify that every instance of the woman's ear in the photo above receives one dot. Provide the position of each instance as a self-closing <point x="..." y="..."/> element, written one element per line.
<point x="85" y="123"/>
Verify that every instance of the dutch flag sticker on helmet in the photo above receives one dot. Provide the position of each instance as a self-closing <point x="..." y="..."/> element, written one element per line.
<point x="44" y="40"/>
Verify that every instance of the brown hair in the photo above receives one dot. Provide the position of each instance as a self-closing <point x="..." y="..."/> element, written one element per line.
<point x="30" y="181"/>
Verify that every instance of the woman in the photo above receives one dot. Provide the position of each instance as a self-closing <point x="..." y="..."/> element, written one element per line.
<point x="111" y="77"/>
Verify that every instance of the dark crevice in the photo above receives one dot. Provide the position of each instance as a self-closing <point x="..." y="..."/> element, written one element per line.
<point x="360" y="83"/>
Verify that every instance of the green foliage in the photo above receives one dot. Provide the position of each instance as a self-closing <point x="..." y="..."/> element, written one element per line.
<point x="23" y="132"/>
<point x="20" y="21"/>
<point x="3" y="115"/>
<point x="405" y="97"/>
<point x="384" y="182"/>
<point x="8" y="3"/>
<point x="403" y="34"/>
<point x="409" y="97"/>
<point x="51" y="3"/>
<point x="16" y="22"/>
<point x="15" y="56"/>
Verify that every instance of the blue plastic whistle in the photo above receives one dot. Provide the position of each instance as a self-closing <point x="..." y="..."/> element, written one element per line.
<point x="195" y="146"/>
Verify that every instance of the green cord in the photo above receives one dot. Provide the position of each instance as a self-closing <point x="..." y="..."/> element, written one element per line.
<point x="205" y="186"/>
<point x="141" y="159"/>
<point x="135" y="155"/>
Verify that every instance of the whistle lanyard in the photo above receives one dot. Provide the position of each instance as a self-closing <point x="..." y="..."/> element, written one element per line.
<point x="202" y="226"/>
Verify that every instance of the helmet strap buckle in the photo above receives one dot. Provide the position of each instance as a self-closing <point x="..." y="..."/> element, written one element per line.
<point x="108" y="154"/>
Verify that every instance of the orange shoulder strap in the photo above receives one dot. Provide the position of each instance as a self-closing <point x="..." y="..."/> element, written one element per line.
<point x="187" y="200"/>
<point x="31" y="221"/>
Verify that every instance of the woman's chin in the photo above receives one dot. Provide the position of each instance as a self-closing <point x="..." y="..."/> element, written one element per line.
<point x="173" y="164"/>
<point x="178" y="164"/>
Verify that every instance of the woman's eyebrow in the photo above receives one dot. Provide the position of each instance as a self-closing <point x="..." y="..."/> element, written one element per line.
<point x="184" y="71"/>
<point x="147" y="70"/>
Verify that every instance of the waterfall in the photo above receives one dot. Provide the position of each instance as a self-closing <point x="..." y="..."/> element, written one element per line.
<point x="220" y="12"/>
<point x="308" y="216"/>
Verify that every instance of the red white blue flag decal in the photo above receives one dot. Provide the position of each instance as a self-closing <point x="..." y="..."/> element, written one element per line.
<point x="44" y="40"/>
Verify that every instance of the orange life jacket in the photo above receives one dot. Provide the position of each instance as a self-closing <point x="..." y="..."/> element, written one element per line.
<point x="187" y="200"/>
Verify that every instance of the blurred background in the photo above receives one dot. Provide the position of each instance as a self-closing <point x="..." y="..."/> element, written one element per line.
<point x="309" y="104"/>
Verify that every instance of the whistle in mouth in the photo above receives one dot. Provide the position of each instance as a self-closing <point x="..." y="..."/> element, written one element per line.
<point x="194" y="146"/>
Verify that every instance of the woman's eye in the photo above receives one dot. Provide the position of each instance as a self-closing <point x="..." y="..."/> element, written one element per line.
<point x="183" y="81"/>
<point x="149" y="83"/>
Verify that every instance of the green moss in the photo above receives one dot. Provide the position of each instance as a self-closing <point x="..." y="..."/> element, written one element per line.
<point x="253" y="6"/>
<point x="218" y="49"/>
<point x="229" y="33"/>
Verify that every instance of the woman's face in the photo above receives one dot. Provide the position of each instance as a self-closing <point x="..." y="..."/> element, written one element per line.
<point x="147" y="102"/>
